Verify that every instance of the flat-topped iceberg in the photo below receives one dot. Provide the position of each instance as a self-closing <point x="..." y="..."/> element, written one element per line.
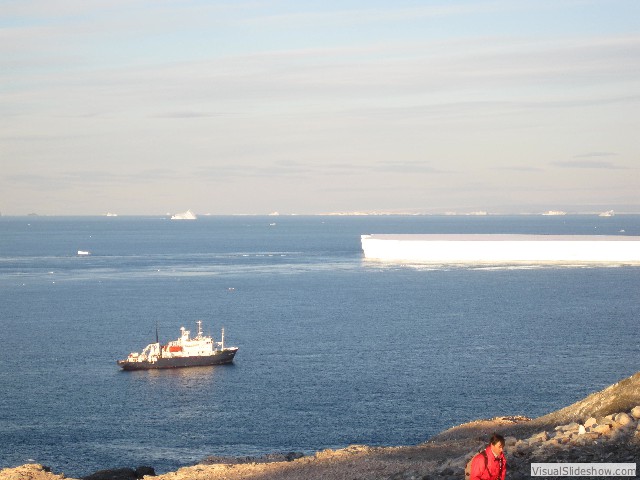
<point x="501" y="249"/>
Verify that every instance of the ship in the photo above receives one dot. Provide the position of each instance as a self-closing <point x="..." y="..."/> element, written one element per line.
<point x="502" y="249"/>
<point x="199" y="351"/>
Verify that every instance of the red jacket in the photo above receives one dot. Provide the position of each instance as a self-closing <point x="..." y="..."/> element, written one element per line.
<point x="490" y="470"/>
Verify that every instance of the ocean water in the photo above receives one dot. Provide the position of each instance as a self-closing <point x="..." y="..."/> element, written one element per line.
<point x="334" y="350"/>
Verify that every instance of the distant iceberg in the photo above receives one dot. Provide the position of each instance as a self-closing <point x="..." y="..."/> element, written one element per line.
<point x="608" y="213"/>
<point x="554" y="212"/>
<point x="188" y="215"/>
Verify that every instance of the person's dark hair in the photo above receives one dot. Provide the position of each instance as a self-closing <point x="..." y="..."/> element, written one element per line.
<point x="495" y="439"/>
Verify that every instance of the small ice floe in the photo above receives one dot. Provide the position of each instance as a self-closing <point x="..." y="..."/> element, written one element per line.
<point x="83" y="253"/>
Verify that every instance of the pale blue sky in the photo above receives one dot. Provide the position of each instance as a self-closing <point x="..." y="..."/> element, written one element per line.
<point x="147" y="107"/>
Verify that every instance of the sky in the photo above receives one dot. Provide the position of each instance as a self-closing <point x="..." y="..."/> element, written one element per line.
<point x="143" y="107"/>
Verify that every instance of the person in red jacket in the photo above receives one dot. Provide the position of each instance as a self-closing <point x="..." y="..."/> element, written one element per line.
<point x="490" y="464"/>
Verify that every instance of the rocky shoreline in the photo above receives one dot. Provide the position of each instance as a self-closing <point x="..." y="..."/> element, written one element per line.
<point x="602" y="428"/>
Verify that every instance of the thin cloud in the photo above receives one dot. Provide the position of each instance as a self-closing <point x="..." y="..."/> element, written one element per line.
<point x="585" y="164"/>
<point x="69" y="179"/>
<point x="189" y="114"/>
<point x="596" y="154"/>
<point x="374" y="15"/>
<point x="518" y="168"/>
<point x="290" y="168"/>
<point x="407" y="167"/>
<point x="278" y="169"/>
<point x="255" y="82"/>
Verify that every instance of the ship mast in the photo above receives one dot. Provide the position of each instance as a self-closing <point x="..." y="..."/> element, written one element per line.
<point x="222" y="340"/>
<point x="158" y="341"/>
<point x="199" y="322"/>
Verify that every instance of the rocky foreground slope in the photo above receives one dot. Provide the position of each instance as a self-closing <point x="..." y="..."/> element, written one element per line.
<point x="604" y="427"/>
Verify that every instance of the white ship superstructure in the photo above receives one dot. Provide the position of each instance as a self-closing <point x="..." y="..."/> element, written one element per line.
<point x="190" y="347"/>
<point x="501" y="249"/>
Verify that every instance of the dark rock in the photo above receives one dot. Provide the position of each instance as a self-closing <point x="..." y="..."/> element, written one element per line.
<point x="267" y="458"/>
<point x="141" y="471"/>
<point x="113" y="474"/>
<point x="291" y="456"/>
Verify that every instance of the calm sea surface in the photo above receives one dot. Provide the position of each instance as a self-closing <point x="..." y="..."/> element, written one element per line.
<point x="334" y="350"/>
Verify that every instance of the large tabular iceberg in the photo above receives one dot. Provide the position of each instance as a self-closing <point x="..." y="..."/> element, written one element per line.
<point x="497" y="249"/>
